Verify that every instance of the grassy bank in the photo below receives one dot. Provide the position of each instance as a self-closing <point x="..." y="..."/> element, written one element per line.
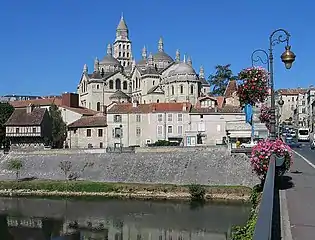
<point x="246" y="232"/>
<point x="121" y="190"/>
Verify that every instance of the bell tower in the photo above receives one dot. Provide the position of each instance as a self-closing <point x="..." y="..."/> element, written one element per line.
<point x="122" y="44"/>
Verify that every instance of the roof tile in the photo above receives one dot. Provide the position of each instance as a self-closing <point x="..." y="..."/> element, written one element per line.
<point x="89" y="121"/>
<point x="20" y="117"/>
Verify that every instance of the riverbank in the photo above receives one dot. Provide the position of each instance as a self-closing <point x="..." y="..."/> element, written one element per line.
<point x="55" y="188"/>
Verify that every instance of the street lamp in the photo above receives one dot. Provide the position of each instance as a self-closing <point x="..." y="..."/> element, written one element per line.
<point x="287" y="58"/>
<point x="257" y="58"/>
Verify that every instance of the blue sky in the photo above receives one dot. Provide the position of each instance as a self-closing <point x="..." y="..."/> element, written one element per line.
<point x="44" y="44"/>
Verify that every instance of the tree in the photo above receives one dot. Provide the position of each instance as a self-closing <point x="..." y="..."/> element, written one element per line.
<point x="219" y="81"/>
<point x="5" y="112"/>
<point x="58" y="134"/>
<point x="16" y="166"/>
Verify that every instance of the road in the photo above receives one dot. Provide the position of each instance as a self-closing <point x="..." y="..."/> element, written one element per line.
<point x="301" y="197"/>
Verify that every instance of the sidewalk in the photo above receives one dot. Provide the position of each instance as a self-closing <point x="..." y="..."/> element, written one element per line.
<point x="300" y="201"/>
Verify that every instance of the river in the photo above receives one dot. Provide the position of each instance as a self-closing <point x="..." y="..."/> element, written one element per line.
<point x="47" y="219"/>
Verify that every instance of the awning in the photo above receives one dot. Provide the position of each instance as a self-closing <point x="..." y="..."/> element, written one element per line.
<point x="240" y="134"/>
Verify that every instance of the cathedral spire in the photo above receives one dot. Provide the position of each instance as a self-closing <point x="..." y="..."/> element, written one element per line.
<point x="96" y="65"/>
<point x="85" y="68"/>
<point x="109" y="49"/>
<point x="161" y="45"/>
<point x="122" y="24"/>
<point x="177" y="58"/>
<point x="201" y="72"/>
<point x="189" y="61"/>
<point x="144" y="53"/>
<point x="150" y="60"/>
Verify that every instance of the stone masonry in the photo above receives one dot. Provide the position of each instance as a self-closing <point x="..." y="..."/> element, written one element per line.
<point x="209" y="166"/>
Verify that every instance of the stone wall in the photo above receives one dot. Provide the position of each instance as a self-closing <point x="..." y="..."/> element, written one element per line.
<point x="210" y="166"/>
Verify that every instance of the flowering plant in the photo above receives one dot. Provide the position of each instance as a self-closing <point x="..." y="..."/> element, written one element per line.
<point x="265" y="115"/>
<point x="254" y="88"/>
<point x="261" y="156"/>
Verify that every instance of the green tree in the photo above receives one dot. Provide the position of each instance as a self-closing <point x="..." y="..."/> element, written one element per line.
<point x="5" y="112"/>
<point x="219" y="80"/>
<point x="59" y="128"/>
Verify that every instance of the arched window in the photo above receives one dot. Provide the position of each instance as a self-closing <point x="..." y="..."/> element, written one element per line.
<point x="98" y="106"/>
<point x="124" y="54"/>
<point x="125" y="85"/>
<point x="191" y="89"/>
<point x="158" y="100"/>
<point x="97" y="86"/>
<point x="118" y="84"/>
<point x="153" y="83"/>
<point x="133" y="84"/>
<point x="173" y="92"/>
<point x="119" y="46"/>
<point x="136" y="83"/>
<point x="111" y="84"/>
<point x="181" y="89"/>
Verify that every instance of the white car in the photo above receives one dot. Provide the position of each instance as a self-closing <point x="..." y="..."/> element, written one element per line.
<point x="248" y="145"/>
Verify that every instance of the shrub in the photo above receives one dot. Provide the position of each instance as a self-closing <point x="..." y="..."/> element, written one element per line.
<point x="16" y="166"/>
<point x="197" y="192"/>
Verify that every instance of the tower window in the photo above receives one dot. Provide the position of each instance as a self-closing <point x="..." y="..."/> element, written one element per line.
<point x="128" y="54"/>
<point x="98" y="106"/>
<point x="118" y="84"/>
<point x="123" y="54"/>
<point x="119" y="54"/>
<point x="181" y="89"/>
<point x="123" y="46"/>
<point x="111" y="84"/>
<point x="192" y="89"/>
<point x="119" y="46"/>
<point x="127" y="46"/>
<point x="125" y="85"/>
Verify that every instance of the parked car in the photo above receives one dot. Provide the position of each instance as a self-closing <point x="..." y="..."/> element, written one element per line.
<point x="312" y="144"/>
<point x="292" y="143"/>
<point x="248" y="145"/>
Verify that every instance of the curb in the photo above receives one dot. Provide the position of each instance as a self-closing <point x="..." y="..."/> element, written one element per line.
<point x="285" y="225"/>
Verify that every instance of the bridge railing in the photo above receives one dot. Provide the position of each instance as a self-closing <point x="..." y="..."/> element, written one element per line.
<point x="265" y="218"/>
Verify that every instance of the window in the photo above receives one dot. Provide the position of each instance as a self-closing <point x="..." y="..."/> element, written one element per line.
<point x="303" y="103"/>
<point x="88" y="132"/>
<point x="97" y="86"/>
<point x="98" y="106"/>
<point x="173" y="90"/>
<point x="201" y="127"/>
<point x="181" y="89"/>
<point x="293" y="99"/>
<point x="201" y="116"/>
<point x="160" y="130"/>
<point x="138" y="118"/>
<point x="111" y="84"/>
<point x="179" y="117"/>
<point x="170" y="117"/>
<point x="17" y="130"/>
<point x="117" y="132"/>
<point x="158" y="100"/>
<point x="100" y="132"/>
<point x="192" y="89"/>
<point x="138" y="132"/>
<point x="101" y="145"/>
<point x="118" y="84"/>
<point x="125" y="85"/>
<point x="34" y="130"/>
<point x="303" y="110"/>
<point x="153" y="83"/>
<point x="117" y="118"/>
<point x="160" y="117"/>
<point x="180" y="130"/>
<point x="170" y="129"/>
<point x="75" y="131"/>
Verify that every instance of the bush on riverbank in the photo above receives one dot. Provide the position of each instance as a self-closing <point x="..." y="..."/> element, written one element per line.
<point x="102" y="187"/>
<point x="246" y="232"/>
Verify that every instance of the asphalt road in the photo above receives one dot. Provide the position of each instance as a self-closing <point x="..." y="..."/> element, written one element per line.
<point x="301" y="196"/>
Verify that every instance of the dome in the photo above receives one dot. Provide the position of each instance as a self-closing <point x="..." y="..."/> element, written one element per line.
<point x="162" y="56"/>
<point x="183" y="68"/>
<point x="110" y="60"/>
<point x="142" y="62"/>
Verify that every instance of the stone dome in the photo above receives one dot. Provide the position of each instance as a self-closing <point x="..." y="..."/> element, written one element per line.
<point x="183" y="68"/>
<point x="162" y="56"/>
<point x="110" y="60"/>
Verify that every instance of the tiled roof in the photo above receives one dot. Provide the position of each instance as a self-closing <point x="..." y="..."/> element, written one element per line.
<point x="230" y="89"/>
<point x="225" y="109"/>
<point x="292" y="91"/>
<point x="81" y="110"/>
<point x="147" y="108"/>
<point x="20" y="117"/>
<point x="220" y="101"/>
<point x="37" y="102"/>
<point x="89" y="121"/>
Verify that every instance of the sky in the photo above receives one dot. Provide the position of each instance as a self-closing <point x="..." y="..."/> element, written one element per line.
<point x="45" y="44"/>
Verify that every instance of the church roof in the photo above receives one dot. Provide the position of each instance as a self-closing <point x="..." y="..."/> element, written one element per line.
<point x="110" y="60"/>
<point x="122" y="24"/>
<point x="119" y="94"/>
<point x="184" y="68"/>
<point x="230" y="89"/>
<point x="162" y="56"/>
<point x="153" y="89"/>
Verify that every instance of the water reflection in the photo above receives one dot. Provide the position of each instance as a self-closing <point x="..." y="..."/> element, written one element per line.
<point x="43" y="219"/>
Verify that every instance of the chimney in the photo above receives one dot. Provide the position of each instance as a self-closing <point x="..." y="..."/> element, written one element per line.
<point x="30" y="108"/>
<point x="70" y="100"/>
<point x="104" y="110"/>
<point x="184" y="107"/>
<point x="135" y="104"/>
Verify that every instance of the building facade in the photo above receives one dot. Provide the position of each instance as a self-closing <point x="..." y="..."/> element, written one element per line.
<point x="156" y="78"/>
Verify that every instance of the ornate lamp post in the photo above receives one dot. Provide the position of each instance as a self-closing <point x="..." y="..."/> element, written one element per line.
<point x="287" y="58"/>
<point x="257" y="58"/>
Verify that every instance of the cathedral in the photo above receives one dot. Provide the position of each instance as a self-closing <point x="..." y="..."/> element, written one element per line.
<point x="157" y="77"/>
